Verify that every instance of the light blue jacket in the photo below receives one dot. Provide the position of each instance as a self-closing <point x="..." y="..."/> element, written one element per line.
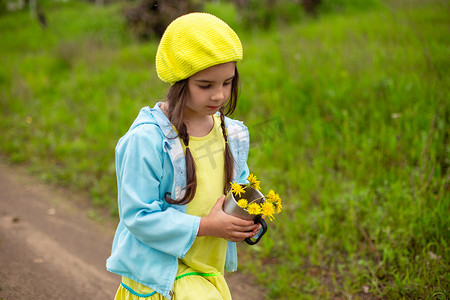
<point x="152" y="234"/>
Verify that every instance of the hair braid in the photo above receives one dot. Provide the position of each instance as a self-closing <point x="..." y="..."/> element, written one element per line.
<point x="176" y="99"/>
<point x="191" y="171"/>
<point x="229" y="159"/>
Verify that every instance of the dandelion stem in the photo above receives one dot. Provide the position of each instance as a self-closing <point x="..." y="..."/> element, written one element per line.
<point x="256" y="199"/>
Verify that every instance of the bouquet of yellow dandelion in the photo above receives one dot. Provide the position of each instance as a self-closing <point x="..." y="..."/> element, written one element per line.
<point x="247" y="202"/>
<point x="263" y="205"/>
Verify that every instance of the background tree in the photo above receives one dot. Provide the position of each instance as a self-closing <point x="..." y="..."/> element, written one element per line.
<point x="151" y="17"/>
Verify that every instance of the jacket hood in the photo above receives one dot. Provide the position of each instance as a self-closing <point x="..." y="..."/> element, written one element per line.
<point x="149" y="115"/>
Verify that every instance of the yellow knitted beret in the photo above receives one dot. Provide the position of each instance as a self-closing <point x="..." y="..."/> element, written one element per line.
<point x="194" y="42"/>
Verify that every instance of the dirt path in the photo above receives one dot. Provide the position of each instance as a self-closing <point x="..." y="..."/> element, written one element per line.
<point x="50" y="249"/>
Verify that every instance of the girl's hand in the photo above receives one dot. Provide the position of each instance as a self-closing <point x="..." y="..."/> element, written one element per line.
<point x="220" y="224"/>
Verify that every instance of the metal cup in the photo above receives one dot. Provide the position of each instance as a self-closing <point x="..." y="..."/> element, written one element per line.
<point x="232" y="208"/>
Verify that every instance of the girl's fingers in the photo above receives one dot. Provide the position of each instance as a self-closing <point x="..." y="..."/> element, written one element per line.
<point x="242" y="222"/>
<point x="240" y="236"/>
<point x="245" y="228"/>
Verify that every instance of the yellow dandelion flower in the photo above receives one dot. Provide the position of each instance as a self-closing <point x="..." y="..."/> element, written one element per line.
<point x="276" y="201"/>
<point x="242" y="203"/>
<point x="237" y="188"/>
<point x="254" y="209"/>
<point x="271" y="196"/>
<point x="254" y="183"/>
<point x="268" y="209"/>
<point x="278" y="207"/>
<point x="256" y="186"/>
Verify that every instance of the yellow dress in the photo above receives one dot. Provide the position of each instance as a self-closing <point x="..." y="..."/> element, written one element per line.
<point x="200" y="273"/>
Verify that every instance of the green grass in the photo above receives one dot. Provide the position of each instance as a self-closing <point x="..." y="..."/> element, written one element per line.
<point x="69" y="92"/>
<point x="348" y="115"/>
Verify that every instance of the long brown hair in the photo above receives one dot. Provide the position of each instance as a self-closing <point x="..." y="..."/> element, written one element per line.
<point x="177" y="98"/>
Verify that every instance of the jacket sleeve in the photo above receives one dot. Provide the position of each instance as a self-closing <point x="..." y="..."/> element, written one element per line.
<point x="243" y="149"/>
<point x="242" y="177"/>
<point x="239" y="138"/>
<point x="140" y="172"/>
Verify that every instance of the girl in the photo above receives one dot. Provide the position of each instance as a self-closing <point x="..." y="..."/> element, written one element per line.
<point x="173" y="239"/>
